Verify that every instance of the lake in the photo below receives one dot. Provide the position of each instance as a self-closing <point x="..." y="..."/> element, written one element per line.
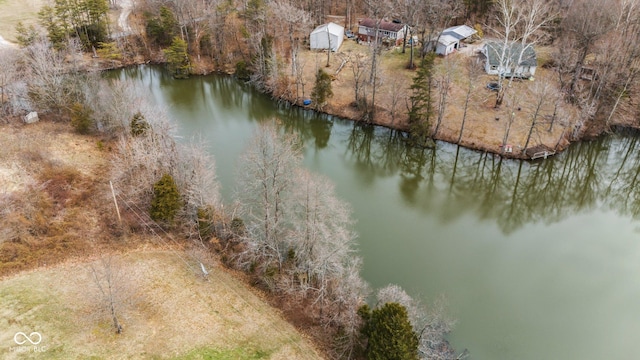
<point x="537" y="260"/>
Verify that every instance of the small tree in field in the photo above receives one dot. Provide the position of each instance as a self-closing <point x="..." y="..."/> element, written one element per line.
<point x="322" y="89"/>
<point x="81" y="118"/>
<point x="390" y="333"/>
<point x="166" y="200"/>
<point x="178" y="58"/>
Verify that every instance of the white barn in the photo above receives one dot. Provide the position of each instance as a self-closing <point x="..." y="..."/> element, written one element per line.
<point x="449" y="40"/>
<point x="327" y="36"/>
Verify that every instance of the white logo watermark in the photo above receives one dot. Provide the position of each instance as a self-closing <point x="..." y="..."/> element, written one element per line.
<point x="27" y="343"/>
<point x="21" y="338"/>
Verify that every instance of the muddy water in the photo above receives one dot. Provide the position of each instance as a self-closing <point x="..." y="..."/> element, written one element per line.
<point x="537" y="260"/>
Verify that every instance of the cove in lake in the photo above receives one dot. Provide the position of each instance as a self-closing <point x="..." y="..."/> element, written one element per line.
<point x="537" y="260"/>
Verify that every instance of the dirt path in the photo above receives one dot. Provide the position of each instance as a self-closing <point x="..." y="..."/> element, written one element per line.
<point x="5" y="43"/>
<point x="126" y="6"/>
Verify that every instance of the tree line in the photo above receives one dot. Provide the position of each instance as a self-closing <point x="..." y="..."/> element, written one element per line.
<point x="592" y="54"/>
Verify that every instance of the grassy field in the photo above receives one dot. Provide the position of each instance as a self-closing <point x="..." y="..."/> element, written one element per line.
<point x="14" y="11"/>
<point x="170" y="313"/>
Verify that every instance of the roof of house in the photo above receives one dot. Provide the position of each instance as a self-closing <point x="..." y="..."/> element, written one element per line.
<point x="459" y="32"/>
<point x="384" y="25"/>
<point x="494" y="51"/>
<point x="446" y="39"/>
<point x="329" y="27"/>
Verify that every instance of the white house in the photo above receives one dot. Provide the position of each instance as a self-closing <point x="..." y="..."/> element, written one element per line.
<point x="327" y="36"/>
<point x="449" y="40"/>
<point x="513" y="60"/>
<point x="393" y="31"/>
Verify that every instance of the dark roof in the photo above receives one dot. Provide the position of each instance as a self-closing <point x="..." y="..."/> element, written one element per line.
<point x="494" y="51"/>
<point x="384" y="25"/>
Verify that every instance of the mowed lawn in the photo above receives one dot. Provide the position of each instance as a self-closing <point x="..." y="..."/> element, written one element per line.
<point x="168" y="312"/>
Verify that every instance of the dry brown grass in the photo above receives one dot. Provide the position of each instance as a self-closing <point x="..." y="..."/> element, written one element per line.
<point x="171" y="313"/>
<point x="14" y="11"/>
<point x="482" y="130"/>
<point x="52" y="198"/>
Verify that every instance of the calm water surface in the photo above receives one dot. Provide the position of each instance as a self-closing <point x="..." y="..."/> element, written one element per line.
<point x="537" y="260"/>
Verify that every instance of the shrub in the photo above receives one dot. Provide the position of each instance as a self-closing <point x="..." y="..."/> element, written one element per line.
<point x="242" y="70"/>
<point x="81" y="118"/>
<point x="205" y="222"/>
<point x="166" y="200"/>
<point x="138" y="125"/>
<point x="390" y="333"/>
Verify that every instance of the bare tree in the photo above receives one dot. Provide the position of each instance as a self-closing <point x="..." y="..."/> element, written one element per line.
<point x="397" y="91"/>
<point x="360" y="66"/>
<point x="378" y="11"/>
<point x="293" y="21"/>
<point x="545" y="96"/>
<point x="265" y="181"/>
<point x="50" y="84"/>
<point x="115" y="289"/>
<point x="513" y="104"/>
<point x="519" y="21"/>
<point x="322" y="239"/>
<point x="474" y="67"/>
<point x="443" y="81"/>
<point x="8" y="75"/>
<point x="586" y="21"/>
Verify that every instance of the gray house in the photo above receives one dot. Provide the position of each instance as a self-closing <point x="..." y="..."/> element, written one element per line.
<point x="513" y="60"/>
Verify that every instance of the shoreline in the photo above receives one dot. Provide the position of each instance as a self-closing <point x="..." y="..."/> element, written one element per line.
<point x="350" y="114"/>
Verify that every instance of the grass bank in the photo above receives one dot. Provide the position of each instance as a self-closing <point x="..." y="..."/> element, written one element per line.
<point x="169" y="313"/>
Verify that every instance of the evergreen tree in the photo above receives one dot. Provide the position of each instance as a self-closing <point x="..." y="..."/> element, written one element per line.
<point x="390" y="333"/>
<point x="138" y="125"/>
<point x="163" y="28"/>
<point x="84" y="19"/>
<point x="178" y="58"/>
<point x="25" y="36"/>
<point x="421" y="109"/>
<point x="322" y="89"/>
<point x="166" y="200"/>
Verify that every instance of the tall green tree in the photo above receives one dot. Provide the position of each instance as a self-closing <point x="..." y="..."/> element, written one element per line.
<point x="163" y="28"/>
<point x="86" y="20"/>
<point x="421" y="111"/>
<point x="178" y="58"/>
<point x="390" y="333"/>
<point x="322" y="89"/>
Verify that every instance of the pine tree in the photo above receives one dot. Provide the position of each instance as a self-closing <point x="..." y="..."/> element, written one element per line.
<point x="166" y="200"/>
<point x="25" y="35"/>
<point x="322" y="89"/>
<point x="178" y="58"/>
<point x="163" y="28"/>
<point x="390" y="333"/>
<point x="421" y="107"/>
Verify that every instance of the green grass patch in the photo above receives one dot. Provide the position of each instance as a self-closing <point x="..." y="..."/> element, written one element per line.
<point x="225" y="354"/>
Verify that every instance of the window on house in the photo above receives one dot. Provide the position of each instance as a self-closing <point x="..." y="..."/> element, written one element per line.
<point x="494" y="67"/>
